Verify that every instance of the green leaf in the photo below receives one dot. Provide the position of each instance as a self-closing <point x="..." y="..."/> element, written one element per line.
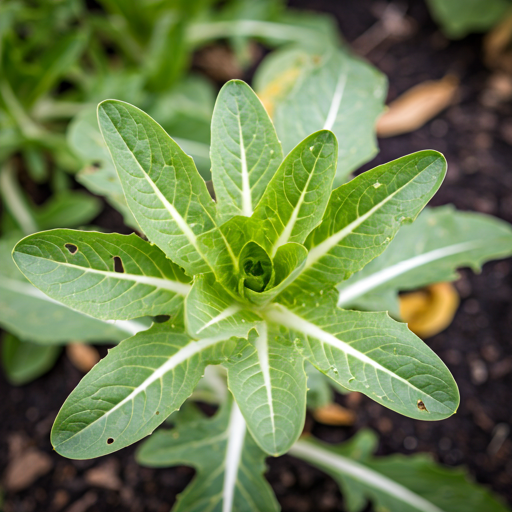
<point x="286" y="266"/>
<point x="222" y="247"/>
<point x="23" y="361"/>
<point x="67" y="209"/>
<point x="103" y="181"/>
<point x="334" y="91"/>
<point x="400" y="483"/>
<point x="369" y="353"/>
<point x="425" y="252"/>
<point x="256" y="267"/>
<point x="229" y="464"/>
<point x="107" y="276"/>
<point x="364" y="215"/>
<point x="58" y="61"/>
<point x="296" y="197"/>
<point x="320" y="392"/>
<point x="210" y="310"/>
<point x="133" y="390"/>
<point x="459" y="18"/>
<point x="245" y="151"/>
<point x="165" y="193"/>
<point x="267" y="378"/>
<point x="33" y="316"/>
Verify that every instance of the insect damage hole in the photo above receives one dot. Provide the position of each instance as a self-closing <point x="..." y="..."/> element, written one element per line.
<point x="72" y="248"/>
<point x="118" y="265"/>
<point x="160" y="319"/>
<point x="110" y="440"/>
<point x="421" y="406"/>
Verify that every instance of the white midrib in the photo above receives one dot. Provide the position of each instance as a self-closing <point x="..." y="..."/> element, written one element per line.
<point x="236" y="436"/>
<point x="180" y="221"/>
<point x="363" y="474"/>
<point x="165" y="284"/>
<point x="129" y="326"/>
<point x="226" y="313"/>
<point x="285" y="235"/>
<point x="336" y="102"/>
<point x="182" y="355"/>
<point x="320" y="250"/>
<point x="375" y="280"/>
<point x="246" y="186"/>
<point x="283" y="316"/>
<point x="262" y="350"/>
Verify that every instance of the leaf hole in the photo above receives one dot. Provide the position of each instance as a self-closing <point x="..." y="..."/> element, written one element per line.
<point x="97" y="165"/>
<point x="72" y="248"/>
<point x="110" y="440"/>
<point x="118" y="265"/>
<point x="160" y="319"/>
<point x="421" y="406"/>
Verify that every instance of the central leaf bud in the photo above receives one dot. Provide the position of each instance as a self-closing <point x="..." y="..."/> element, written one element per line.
<point x="256" y="267"/>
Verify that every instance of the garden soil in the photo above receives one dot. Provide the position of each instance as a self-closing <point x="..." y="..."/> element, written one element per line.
<point x="475" y="134"/>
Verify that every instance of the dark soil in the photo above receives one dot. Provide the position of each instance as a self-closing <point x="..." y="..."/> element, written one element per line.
<point x="477" y="347"/>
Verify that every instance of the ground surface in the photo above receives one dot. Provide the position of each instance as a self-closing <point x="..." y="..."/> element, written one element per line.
<point x="477" y="347"/>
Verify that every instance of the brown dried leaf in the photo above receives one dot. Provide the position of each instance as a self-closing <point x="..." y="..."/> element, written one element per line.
<point x="498" y="89"/>
<point x="219" y="62"/>
<point x="429" y="311"/>
<point x="498" y="46"/>
<point x="83" y="357"/>
<point x="84" y="503"/>
<point x="25" y="469"/>
<point x="334" y="414"/>
<point x="105" y="476"/>
<point x="418" y="105"/>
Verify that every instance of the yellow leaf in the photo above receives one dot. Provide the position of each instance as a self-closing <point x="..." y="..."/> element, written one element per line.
<point x="83" y="357"/>
<point x="334" y="414"/>
<point x="431" y="310"/>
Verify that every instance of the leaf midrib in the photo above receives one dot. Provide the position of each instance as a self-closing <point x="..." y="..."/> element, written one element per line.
<point x="183" y="354"/>
<point x="166" y="284"/>
<point x="384" y="275"/>
<point x="281" y="315"/>
<point x="324" y="247"/>
<point x="287" y="231"/>
<point x="23" y="288"/>
<point x="367" y="476"/>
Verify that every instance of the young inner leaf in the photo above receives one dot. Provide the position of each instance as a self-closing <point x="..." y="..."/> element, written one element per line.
<point x="256" y="266"/>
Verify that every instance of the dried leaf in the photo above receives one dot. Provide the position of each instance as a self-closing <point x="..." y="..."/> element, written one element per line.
<point x="417" y="106"/>
<point x="25" y="469"/>
<point x="334" y="414"/>
<point x="105" y="476"/>
<point x="219" y="62"/>
<point x="498" y="46"/>
<point x="84" y="503"/>
<point x="83" y="357"/>
<point x="498" y="89"/>
<point x="429" y="311"/>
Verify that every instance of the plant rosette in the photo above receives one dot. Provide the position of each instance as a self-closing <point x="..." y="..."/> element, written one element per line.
<point x="248" y="281"/>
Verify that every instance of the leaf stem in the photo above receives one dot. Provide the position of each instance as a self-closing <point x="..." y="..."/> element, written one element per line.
<point x="14" y="200"/>
<point x="29" y="129"/>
